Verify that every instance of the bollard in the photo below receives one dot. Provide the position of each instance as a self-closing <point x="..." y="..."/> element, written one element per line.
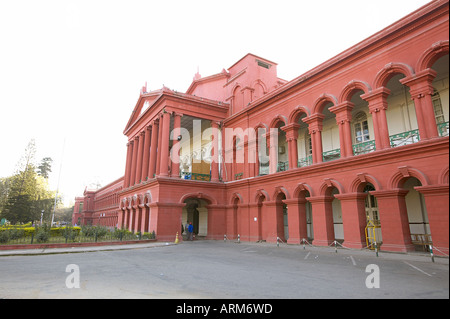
<point x="376" y="248"/>
<point x="431" y="253"/>
<point x="303" y="240"/>
<point x="225" y="237"/>
<point x="335" y="246"/>
<point x="278" y="241"/>
<point x="239" y="239"/>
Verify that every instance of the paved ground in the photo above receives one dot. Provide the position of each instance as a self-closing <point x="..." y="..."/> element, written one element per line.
<point x="214" y="269"/>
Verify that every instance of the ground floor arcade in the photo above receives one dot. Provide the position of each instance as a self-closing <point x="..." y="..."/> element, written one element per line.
<point x="407" y="204"/>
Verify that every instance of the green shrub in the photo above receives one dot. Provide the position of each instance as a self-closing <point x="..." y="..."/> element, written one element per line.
<point x="88" y="231"/>
<point x="4" y="236"/>
<point x="149" y="235"/>
<point x="102" y="231"/>
<point x="42" y="235"/>
<point x="121" y="233"/>
<point x="28" y="231"/>
<point x="70" y="233"/>
<point x="16" y="233"/>
<point x="94" y="231"/>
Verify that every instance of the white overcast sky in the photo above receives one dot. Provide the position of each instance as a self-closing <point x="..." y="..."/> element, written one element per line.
<point x="71" y="71"/>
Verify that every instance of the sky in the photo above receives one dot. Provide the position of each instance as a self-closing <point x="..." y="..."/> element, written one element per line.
<point x="71" y="71"/>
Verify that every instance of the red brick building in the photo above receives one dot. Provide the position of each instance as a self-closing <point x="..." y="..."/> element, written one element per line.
<point x="361" y="139"/>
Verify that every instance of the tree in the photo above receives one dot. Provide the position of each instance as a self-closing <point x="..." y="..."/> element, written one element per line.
<point x="28" y="195"/>
<point x="25" y="165"/>
<point x="5" y="183"/>
<point x="25" y="194"/>
<point x="45" y="167"/>
<point x="19" y="209"/>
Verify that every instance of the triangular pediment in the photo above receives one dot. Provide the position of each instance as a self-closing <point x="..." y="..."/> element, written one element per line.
<point x="198" y="80"/>
<point x="143" y="103"/>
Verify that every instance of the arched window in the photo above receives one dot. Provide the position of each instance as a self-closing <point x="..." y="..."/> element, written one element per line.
<point x="238" y="102"/>
<point x="361" y="128"/>
<point x="258" y="92"/>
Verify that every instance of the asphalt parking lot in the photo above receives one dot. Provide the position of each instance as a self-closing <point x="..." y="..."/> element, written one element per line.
<point x="222" y="270"/>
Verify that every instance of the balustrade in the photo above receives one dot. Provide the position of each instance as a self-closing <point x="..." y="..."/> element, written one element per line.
<point x="364" y="148"/>
<point x="331" y="155"/>
<point x="282" y="166"/>
<point x="404" y="138"/>
<point x="196" y="176"/>
<point x="443" y="129"/>
<point x="306" y="161"/>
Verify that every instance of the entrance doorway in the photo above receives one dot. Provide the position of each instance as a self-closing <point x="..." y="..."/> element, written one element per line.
<point x="419" y="226"/>
<point x="373" y="228"/>
<point x="371" y="205"/>
<point x="195" y="212"/>
<point x="281" y="222"/>
<point x="285" y="222"/>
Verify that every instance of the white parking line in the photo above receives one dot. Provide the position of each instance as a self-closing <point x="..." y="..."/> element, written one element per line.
<point x="418" y="269"/>
<point x="307" y="254"/>
<point x="353" y="261"/>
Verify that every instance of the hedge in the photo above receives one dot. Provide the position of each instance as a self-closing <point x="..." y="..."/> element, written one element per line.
<point x="70" y="233"/>
<point x="19" y="231"/>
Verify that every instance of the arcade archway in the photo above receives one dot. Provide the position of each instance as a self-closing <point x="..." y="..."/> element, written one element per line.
<point x="195" y="212"/>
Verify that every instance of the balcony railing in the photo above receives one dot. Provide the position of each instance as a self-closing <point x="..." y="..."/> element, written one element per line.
<point x="306" y="161"/>
<point x="405" y="138"/>
<point x="282" y="166"/>
<point x="331" y="155"/>
<point x="443" y="129"/>
<point x="364" y="148"/>
<point x="196" y="176"/>
<point x="264" y="170"/>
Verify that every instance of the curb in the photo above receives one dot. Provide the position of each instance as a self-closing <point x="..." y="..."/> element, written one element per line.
<point x="82" y="249"/>
<point x="69" y="245"/>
